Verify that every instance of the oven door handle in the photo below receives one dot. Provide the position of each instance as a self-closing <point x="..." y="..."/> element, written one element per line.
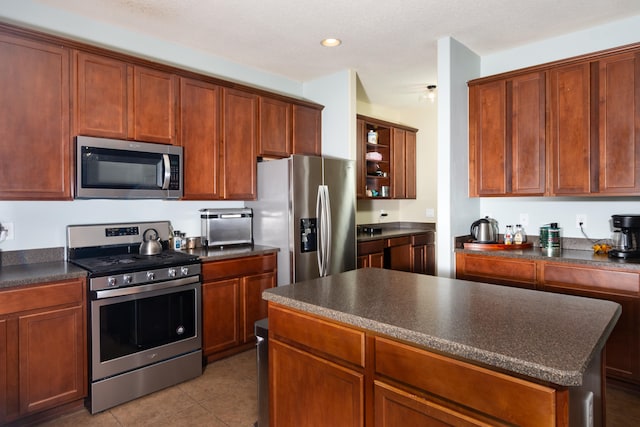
<point x="133" y="290"/>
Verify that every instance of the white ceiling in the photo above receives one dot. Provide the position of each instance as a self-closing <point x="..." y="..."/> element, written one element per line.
<point x="390" y="44"/>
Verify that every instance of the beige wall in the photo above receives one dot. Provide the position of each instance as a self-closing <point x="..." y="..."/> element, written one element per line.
<point x="424" y="118"/>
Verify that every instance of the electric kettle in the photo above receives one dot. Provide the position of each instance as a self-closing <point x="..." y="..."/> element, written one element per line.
<point x="484" y="230"/>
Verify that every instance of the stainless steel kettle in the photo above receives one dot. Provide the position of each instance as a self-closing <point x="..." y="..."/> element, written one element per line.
<point x="150" y="245"/>
<point x="484" y="230"/>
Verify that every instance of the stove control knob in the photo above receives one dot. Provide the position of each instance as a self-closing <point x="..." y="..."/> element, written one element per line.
<point x="151" y="275"/>
<point x="127" y="279"/>
<point x="111" y="281"/>
<point x="172" y="272"/>
<point x="184" y="271"/>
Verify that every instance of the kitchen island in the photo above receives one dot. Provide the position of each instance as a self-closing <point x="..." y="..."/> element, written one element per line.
<point x="382" y="347"/>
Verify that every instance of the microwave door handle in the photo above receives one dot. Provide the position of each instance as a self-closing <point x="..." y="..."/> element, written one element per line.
<point x="167" y="171"/>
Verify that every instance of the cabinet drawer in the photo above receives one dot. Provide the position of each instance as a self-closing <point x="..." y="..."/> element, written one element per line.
<point x="423" y="239"/>
<point x="511" y="399"/>
<point x="328" y="338"/>
<point x="398" y="241"/>
<point x="492" y="268"/>
<point x="243" y="266"/>
<point x="370" y="247"/>
<point x="591" y="278"/>
<point x="36" y="297"/>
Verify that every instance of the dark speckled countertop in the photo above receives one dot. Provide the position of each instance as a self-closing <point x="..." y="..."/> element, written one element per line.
<point x="21" y="268"/>
<point x="551" y="337"/>
<point x="393" y="229"/>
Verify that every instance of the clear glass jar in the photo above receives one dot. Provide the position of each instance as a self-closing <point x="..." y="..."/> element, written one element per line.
<point x="508" y="235"/>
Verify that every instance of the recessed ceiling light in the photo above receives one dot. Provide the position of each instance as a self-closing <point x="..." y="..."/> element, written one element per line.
<point x="331" y="42"/>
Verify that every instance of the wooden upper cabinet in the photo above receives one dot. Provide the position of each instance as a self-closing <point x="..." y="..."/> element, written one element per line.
<point x="200" y="137"/>
<point x="507" y="136"/>
<point x="154" y="105"/>
<point x="398" y="156"/>
<point x="526" y="96"/>
<point x="361" y="149"/>
<point x="410" y="165"/>
<point x="115" y="99"/>
<point x="307" y="130"/>
<point x="239" y="139"/>
<point x="275" y="136"/>
<point x="570" y="129"/>
<point x="34" y="120"/>
<point x="488" y="139"/>
<point x="101" y="96"/>
<point x="619" y="124"/>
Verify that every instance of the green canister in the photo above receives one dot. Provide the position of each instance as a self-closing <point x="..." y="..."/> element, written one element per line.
<point x="550" y="242"/>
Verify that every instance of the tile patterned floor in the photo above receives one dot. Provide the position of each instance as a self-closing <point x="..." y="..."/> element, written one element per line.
<point x="226" y="396"/>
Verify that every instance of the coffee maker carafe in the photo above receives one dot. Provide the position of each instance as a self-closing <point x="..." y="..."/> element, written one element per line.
<point x="629" y="245"/>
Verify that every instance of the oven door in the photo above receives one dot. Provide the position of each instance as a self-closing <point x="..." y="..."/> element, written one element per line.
<point x="146" y="325"/>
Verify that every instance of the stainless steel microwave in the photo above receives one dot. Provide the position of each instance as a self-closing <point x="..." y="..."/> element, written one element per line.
<point x="117" y="169"/>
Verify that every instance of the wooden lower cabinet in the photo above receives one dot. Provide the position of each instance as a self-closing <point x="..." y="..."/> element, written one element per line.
<point x="623" y="287"/>
<point x="326" y="373"/>
<point x="371" y="254"/>
<point x="44" y="362"/>
<point x="306" y="390"/>
<point x="232" y="302"/>
<point x="415" y="253"/>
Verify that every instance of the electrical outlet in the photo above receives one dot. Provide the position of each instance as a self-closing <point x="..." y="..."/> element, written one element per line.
<point x="7" y="228"/>
<point x="430" y="213"/>
<point x="524" y="219"/>
<point x="581" y="218"/>
<point x="383" y="213"/>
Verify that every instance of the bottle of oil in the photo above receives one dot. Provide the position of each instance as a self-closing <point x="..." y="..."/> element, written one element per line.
<point x="519" y="236"/>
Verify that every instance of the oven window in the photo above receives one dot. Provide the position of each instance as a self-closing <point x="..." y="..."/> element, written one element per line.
<point x="133" y="326"/>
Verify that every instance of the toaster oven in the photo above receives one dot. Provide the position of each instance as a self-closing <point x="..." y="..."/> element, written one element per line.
<point x="223" y="227"/>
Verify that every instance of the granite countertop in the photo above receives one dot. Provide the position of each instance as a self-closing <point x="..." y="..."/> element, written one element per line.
<point x="20" y="268"/>
<point x="229" y="252"/>
<point x="394" y="229"/>
<point x="547" y="336"/>
<point x="573" y="256"/>
<point x="40" y="272"/>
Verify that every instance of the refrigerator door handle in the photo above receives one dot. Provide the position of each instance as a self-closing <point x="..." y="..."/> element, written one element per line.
<point x="319" y="252"/>
<point x="327" y="228"/>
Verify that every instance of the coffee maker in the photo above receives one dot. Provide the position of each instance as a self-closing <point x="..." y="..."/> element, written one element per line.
<point x="629" y="228"/>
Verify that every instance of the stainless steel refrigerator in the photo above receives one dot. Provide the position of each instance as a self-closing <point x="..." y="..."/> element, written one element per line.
<point x="306" y="207"/>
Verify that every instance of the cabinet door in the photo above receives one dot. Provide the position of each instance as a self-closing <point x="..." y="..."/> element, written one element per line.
<point x="220" y="305"/>
<point x="619" y="127"/>
<point x="488" y="152"/>
<point x="570" y="130"/>
<point x="3" y="370"/>
<point x="410" y="165"/>
<point x="200" y="137"/>
<point x="52" y="355"/>
<point x="274" y="138"/>
<point x="239" y="130"/>
<point x="527" y="95"/>
<point x="34" y="121"/>
<point x="398" y="155"/>
<point x="302" y="387"/>
<point x="361" y="149"/>
<point x="398" y="254"/>
<point x="154" y="106"/>
<point x="307" y="130"/>
<point x="101" y="96"/>
<point x="254" y="307"/>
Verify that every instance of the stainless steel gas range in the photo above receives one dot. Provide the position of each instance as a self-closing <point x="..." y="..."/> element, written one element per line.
<point x="144" y="311"/>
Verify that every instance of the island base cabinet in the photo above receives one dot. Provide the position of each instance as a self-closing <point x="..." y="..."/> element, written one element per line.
<point x="309" y="391"/>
